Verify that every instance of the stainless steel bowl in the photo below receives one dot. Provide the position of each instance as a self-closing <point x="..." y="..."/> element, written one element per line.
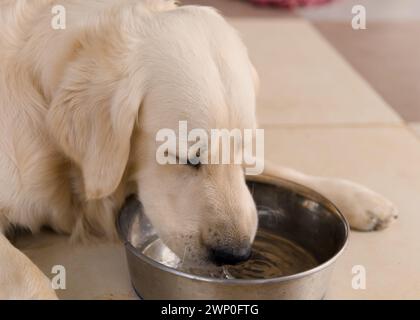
<point x="289" y="210"/>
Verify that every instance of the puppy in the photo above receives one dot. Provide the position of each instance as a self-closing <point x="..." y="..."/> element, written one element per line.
<point x="80" y="109"/>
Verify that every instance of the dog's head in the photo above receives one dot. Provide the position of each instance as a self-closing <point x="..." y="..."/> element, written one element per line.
<point x="123" y="87"/>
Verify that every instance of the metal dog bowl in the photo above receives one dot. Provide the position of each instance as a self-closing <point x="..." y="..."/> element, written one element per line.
<point x="285" y="209"/>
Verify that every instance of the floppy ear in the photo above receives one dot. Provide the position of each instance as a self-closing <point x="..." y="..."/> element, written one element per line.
<point x="255" y="78"/>
<point x="91" y="117"/>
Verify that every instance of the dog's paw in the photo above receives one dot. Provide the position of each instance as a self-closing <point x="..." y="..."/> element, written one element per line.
<point x="373" y="212"/>
<point x="364" y="209"/>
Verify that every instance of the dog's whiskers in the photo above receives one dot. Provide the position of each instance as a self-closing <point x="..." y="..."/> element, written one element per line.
<point x="183" y="257"/>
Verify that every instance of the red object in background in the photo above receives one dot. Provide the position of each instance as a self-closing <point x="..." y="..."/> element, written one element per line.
<point x="289" y="3"/>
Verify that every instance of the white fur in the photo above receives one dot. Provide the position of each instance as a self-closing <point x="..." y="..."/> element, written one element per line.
<point x="80" y="109"/>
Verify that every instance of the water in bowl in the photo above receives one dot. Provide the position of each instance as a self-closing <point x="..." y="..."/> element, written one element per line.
<point x="272" y="256"/>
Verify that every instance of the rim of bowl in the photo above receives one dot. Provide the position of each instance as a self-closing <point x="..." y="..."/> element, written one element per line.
<point x="268" y="179"/>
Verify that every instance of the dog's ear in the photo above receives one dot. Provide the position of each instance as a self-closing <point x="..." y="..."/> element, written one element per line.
<point x="255" y="79"/>
<point x="92" y="116"/>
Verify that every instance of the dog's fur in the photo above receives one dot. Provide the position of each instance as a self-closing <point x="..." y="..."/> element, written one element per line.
<point x="80" y="109"/>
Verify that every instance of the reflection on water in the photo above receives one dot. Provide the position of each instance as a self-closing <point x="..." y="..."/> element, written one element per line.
<point x="272" y="256"/>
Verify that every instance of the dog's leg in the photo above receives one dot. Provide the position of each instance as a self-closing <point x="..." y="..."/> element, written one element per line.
<point x="19" y="277"/>
<point x="364" y="209"/>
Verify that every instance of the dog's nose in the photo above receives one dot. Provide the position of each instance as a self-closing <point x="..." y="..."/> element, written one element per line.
<point x="230" y="255"/>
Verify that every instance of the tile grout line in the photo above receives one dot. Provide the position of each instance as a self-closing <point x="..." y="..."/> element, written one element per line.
<point x="402" y="125"/>
<point x="353" y="68"/>
<point x="411" y="130"/>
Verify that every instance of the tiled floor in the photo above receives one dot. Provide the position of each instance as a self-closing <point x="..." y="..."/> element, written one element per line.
<point x="97" y="271"/>
<point x="376" y="10"/>
<point x="305" y="81"/>
<point x="386" y="160"/>
<point x="386" y="54"/>
<point x="415" y="126"/>
<point x="321" y="117"/>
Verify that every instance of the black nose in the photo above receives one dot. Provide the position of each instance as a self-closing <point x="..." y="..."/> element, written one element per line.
<point x="230" y="255"/>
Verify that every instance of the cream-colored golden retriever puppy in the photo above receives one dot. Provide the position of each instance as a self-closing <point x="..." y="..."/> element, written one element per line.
<point x="79" y="111"/>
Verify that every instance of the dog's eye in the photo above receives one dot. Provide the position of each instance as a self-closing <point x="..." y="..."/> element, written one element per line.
<point x="194" y="165"/>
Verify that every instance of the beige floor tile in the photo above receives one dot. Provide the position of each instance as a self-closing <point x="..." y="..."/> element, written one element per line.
<point x="304" y="80"/>
<point x="415" y="126"/>
<point x="387" y="56"/>
<point x="92" y="271"/>
<point x="376" y="10"/>
<point x="385" y="159"/>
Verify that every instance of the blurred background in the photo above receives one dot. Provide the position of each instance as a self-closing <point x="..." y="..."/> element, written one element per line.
<point x="386" y="54"/>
